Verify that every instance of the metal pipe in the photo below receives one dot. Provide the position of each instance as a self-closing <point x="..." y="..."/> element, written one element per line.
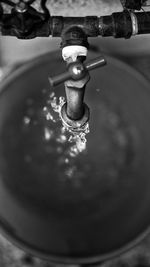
<point x="74" y="98"/>
<point x="118" y="25"/>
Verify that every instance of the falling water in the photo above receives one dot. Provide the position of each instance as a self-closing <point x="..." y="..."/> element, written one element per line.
<point x="69" y="144"/>
<point x="70" y="152"/>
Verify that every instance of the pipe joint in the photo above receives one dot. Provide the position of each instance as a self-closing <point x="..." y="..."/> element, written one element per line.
<point x="75" y="125"/>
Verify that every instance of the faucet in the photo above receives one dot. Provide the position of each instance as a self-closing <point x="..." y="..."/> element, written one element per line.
<point x="25" y="22"/>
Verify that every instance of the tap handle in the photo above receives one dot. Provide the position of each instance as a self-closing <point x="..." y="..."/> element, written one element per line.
<point x="96" y="63"/>
<point x="58" y="79"/>
<point x="77" y="70"/>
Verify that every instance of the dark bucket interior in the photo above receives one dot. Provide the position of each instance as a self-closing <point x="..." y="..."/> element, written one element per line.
<point x="81" y="207"/>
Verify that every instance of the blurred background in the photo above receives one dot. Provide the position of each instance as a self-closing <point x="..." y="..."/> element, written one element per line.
<point x="135" y="51"/>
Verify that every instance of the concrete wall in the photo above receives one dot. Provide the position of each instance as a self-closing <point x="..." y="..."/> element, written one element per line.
<point x="78" y="7"/>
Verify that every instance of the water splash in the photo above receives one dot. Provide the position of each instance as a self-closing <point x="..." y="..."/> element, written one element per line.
<point x="48" y="134"/>
<point x="79" y="138"/>
<point x="27" y="120"/>
<point x="71" y="143"/>
<point x="59" y="142"/>
<point x="76" y="138"/>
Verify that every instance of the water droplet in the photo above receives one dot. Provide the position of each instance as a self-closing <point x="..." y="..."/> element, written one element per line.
<point x="70" y="172"/>
<point x="52" y="95"/>
<point x="66" y="160"/>
<point x="45" y="109"/>
<point x="48" y="115"/>
<point x="61" y="139"/>
<point x="48" y="134"/>
<point x="26" y="120"/>
<point x="73" y="151"/>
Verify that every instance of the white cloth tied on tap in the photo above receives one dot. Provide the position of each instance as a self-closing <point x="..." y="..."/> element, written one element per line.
<point x="71" y="52"/>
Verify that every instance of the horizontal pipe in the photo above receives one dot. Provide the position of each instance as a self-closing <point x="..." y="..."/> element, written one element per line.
<point x="143" y="19"/>
<point x="118" y="25"/>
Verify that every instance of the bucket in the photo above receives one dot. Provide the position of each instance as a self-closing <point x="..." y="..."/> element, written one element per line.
<point x="68" y="201"/>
